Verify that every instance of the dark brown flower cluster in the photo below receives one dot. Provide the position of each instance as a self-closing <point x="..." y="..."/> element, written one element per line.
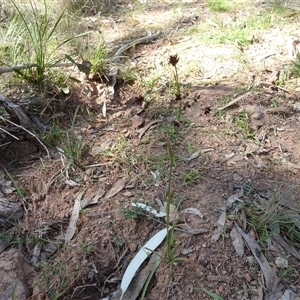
<point x="173" y="60"/>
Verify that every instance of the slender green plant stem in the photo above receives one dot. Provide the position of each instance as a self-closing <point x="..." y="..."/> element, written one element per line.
<point x="178" y="93"/>
<point x="170" y="194"/>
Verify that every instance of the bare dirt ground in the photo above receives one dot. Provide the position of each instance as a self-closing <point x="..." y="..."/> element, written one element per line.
<point x="216" y="156"/>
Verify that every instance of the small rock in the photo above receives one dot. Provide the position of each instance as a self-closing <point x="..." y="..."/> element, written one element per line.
<point x="132" y="247"/>
<point x="221" y="289"/>
<point x="237" y="177"/>
<point x="137" y="121"/>
<point x="297" y="107"/>
<point x="281" y="262"/>
<point x="128" y="194"/>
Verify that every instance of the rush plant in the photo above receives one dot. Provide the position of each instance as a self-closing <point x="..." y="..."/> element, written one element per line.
<point x="41" y="40"/>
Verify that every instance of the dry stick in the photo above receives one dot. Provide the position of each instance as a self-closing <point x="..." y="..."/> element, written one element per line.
<point x="14" y="109"/>
<point x="270" y="85"/>
<point x="117" y="58"/>
<point x="28" y="66"/>
<point x="1" y="128"/>
<point x="144" y="129"/>
<point x="234" y="101"/>
<point x="32" y="134"/>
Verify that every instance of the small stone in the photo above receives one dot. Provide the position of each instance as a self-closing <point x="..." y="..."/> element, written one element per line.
<point x="281" y="262"/>
<point x="248" y="277"/>
<point x="132" y="247"/>
<point x="237" y="177"/>
<point x="128" y="194"/>
<point x="137" y="121"/>
<point x="221" y="289"/>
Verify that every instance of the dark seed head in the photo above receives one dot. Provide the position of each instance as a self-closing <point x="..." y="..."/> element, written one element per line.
<point x="173" y="60"/>
<point x="207" y="110"/>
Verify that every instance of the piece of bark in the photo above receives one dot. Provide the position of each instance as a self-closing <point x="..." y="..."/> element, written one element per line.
<point x="9" y="212"/>
<point x="16" y="111"/>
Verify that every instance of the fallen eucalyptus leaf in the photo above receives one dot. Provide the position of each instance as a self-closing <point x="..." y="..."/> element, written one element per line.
<point x="222" y="219"/>
<point x="71" y="183"/>
<point x="36" y="255"/>
<point x="139" y="280"/>
<point x="216" y="235"/>
<point x="196" y="154"/>
<point x="136" y="262"/>
<point x="286" y="246"/>
<point x="187" y="251"/>
<point x="192" y="210"/>
<point x="232" y="199"/>
<point x="151" y="274"/>
<point x="87" y="202"/>
<point x="190" y="230"/>
<point x="237" y="242"/>
<point x="115" y="189"/>
<point x="271" y="279"/>
<point x="75" y="214"/>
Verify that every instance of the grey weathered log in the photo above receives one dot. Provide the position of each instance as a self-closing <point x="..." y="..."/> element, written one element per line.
<point x="29" y="66"/>
<point x="9" y="212"/>
<point x="16" y="111"/>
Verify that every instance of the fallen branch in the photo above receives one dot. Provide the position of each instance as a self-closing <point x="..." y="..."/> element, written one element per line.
<point x="4" y="130"/>
<point x="32" y="134"/>
<point x="116" y="60"/>
<point x="16" y="111"/>
<point x="144" y="129"/>
<point x="234" y="101"/>
<point x="9" y="212"/>
<point x="272" y="86"/>
<point x="28" y="66"/>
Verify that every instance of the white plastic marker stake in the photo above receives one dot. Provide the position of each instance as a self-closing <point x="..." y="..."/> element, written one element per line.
<point x="150" y="246"/>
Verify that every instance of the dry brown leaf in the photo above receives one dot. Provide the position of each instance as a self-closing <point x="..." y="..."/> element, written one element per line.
<point x="237" y="241"/>
<point x="115" y="189"/>
<point x="271" y="279"/>
<point x="75" y="214"/>
<point x="190" y="230"/>
<point x="139" y="280"/>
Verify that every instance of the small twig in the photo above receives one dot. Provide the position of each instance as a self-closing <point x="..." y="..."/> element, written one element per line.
<point x="234" y="101"/>
<point x="267" y="56"/>
<point x="32" y="134"/>
<point x="145" y="39"/>
<point x="144" y="129"/>
<point x="32" y="65"/>
<point x="209" y="21"/>
<point x="1" y="128"/>
<point x="5" y="144"/>
<point x="270" y="85"/>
